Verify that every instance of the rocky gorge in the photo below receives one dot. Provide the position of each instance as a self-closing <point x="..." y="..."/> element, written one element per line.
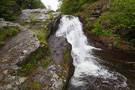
<point x="33" y="57"/>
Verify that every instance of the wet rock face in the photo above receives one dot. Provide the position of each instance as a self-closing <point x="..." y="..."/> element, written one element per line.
<point x="61" y="54"/>
<point x="58" y="47"/>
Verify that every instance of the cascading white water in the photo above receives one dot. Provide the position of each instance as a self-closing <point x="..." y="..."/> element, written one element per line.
<point x="85" y="63"/>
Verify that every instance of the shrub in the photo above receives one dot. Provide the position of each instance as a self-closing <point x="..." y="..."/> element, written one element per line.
<point x="118" y="19"/>
<point x="6" y="11"/>
<point x="32" y="19"/>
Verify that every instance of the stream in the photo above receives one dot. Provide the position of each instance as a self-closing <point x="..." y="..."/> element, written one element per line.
<point x="94" y="69"/>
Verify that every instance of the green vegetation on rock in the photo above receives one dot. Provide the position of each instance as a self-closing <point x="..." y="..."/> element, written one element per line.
<point x="42" y="35"/>
<point x="46" y="62"/>
<point x="25" y="69"/>
<point x="5" y="33"/>
<point x="105" y="18"/>
<point x="118" y="21"/>
<point x="32" y="19"/>
<point x="34" y="85"/>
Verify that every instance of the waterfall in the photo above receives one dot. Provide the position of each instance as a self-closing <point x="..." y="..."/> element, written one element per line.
<point x="85" y="63"/>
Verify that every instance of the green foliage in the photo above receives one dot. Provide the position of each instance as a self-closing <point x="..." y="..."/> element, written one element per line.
<point x="110" y="45"/>
<point x="65" y="72"/>
<point x="46" y="62"/>
<point x="31" y="4"/>
<point x="51" y="16"/>
<point x="32" y="19"/>
<point x="118" y="20"/>
<point x="100" y="31"/>
<point x="34" y="86"/>
<point x="7" y="32"/>
<point x="132" y="40"/>
<point x="49" y="19"/>
<point x="67" y="55"/>
<point x="6" y="10"/>
<point x="130" y="47"/>
<point x="2" y="43"/>
<point x="30" y="65"/>
<point x="88" y="24"/>
<point x="73" y="6"/>
<point x="11" y="32"/>
<point x="42" y="35"/>
<point x="37" y="85"/>
<point x="20" y="22"/>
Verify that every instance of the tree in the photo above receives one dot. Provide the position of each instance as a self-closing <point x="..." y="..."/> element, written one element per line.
<point x="6" y="9"/>
<point x="73" y="6"/>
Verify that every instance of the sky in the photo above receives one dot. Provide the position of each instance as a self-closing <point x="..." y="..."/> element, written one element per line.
<point x="52" y="3"/>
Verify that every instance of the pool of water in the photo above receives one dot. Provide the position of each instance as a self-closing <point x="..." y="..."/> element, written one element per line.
<point x="113" y="61"/>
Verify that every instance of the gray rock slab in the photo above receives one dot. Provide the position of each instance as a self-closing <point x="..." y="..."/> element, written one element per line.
<point x="10" y="24"/>
<point x="14" y="54"/>
<point x="38" y="14"/>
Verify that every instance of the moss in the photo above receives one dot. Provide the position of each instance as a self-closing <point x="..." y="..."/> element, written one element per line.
<point x="20" y="23"/>
<point x="42" y="35"/>
<point x="25" y="69"/>
<point x="110" y="45"/>
<point x="37" y="85"/>
<point x="34" y="86"/>
<point x="42" y="39"/>
<point x="65" y="63"/>
<point x="32" y="19"/>
<point x="49" y="19"/>
<point x="2" y="43"/>
<point x="22" y="80"/>
<point x="46" y="62"/>
<point x="12" y="55"/>
<point x="67" y="55"/>
<point x="7" y="32"/>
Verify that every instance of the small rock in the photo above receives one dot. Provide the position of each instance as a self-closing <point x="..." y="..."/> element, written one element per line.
<point x="8" y="87"/>
<point x="98" y="11"/>
<point x="24" y="52"/>
<point x="21" y="80"/>
<point x="5" y="72"/>
<point x="92" y="18"/>
<point x="4" y="66"/>
<point x="1" y="19"/>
